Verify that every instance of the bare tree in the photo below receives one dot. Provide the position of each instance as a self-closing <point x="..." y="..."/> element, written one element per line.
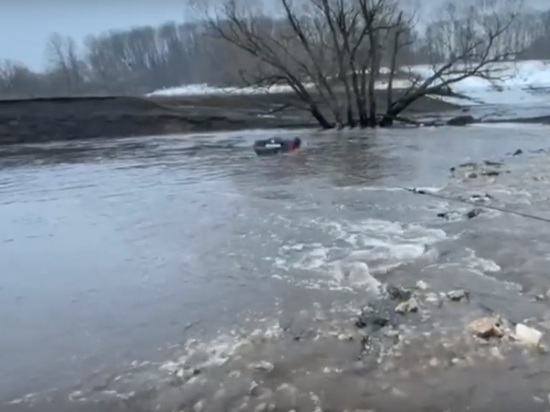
<point x="287" y="50"/>
<point x="17" y="80"/>
<point x="400" y="38"/>
<point x="465" y="44"/>
<point x="333" y="46"/>
<point x="63" y="58"/>
<point x="322" y="47"/>
<point x="536" y="27"/>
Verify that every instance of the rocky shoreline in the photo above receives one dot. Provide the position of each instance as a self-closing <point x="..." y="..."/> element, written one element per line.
<point x="413" y="344"/>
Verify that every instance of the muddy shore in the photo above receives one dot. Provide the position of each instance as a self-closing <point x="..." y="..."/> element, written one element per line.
<point x="63" y="119"/>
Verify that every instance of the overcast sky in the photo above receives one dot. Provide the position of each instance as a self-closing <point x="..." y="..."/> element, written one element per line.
<point x="26" y="24"/>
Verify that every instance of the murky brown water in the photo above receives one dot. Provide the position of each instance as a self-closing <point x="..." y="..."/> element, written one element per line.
<point x="115" y="253"/>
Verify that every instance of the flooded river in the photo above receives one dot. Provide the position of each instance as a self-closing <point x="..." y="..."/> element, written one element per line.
<point x="116" y="253"/>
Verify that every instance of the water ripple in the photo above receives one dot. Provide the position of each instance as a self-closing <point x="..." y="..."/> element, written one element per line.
<point x="110" y="248"/>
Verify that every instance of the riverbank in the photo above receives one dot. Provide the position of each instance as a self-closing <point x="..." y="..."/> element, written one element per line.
<point x="65" y="119"/>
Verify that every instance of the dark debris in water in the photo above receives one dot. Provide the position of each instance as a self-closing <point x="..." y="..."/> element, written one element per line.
<point x="482" y="197"/>
<point x="382" y="313"/>
<point x="473" y="213"/>
<point x="492" y="163"/>
<point x="517" y="152"/>
<point x="455" y="215"/>
<point x="374" y="317"/>
<point x="398" y="293"/>
<point x="537" y="151"/>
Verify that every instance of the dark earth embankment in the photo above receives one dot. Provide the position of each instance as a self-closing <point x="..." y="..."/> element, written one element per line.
<point x="68" y="118"/>
<point x="57" y="119"/>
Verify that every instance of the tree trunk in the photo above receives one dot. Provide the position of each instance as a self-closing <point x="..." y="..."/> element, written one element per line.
<point x="386" y="121"/>
<point x="372" y="99"/>
<point x="316" y="113"/>
<point x="359" y="100"/>
<point x="373" y="75"/>
<point x="359" y="90"/>
<point x="393" y="64"/>
<point x="349" y="97"/>
<point x="363" y="116"/>
<point x="396" y="108"/>
<point x="351" y="120"/>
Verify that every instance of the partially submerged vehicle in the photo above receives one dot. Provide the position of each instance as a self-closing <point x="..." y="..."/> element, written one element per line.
<point x="276" y="145"/>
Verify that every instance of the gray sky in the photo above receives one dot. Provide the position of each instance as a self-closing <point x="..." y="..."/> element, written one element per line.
<point x="26" y="24"/>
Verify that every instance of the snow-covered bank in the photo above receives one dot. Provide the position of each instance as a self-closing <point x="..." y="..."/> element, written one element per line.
<point x="525" y="82"/>
<point x="205" y="89"/>
<point x="521" y="82"/>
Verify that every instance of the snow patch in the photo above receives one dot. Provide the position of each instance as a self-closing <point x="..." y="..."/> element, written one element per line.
<point x="205" y="89"/>
<point x="520" y="82"/>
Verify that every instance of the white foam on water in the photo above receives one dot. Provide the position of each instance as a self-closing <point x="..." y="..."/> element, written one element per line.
<point x="315" y="258"/>
<point x="388" y="189"/>
<point x="392" y="236"/>
<point x="357" y="274"/>
<point x="484" y="268"/>
<point x="25" y="399"/>
<point x="324" y="284"/>
<point x="472" y="261"/>
<point x="510" y="195"/>
<point x="364" y="250"/>
<point x="372" y="188"/>
<point x="204" y="354"/>
<point x="430" y="189"/>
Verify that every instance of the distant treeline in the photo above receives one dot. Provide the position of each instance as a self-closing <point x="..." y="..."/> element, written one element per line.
<point x="144" y="59"/>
